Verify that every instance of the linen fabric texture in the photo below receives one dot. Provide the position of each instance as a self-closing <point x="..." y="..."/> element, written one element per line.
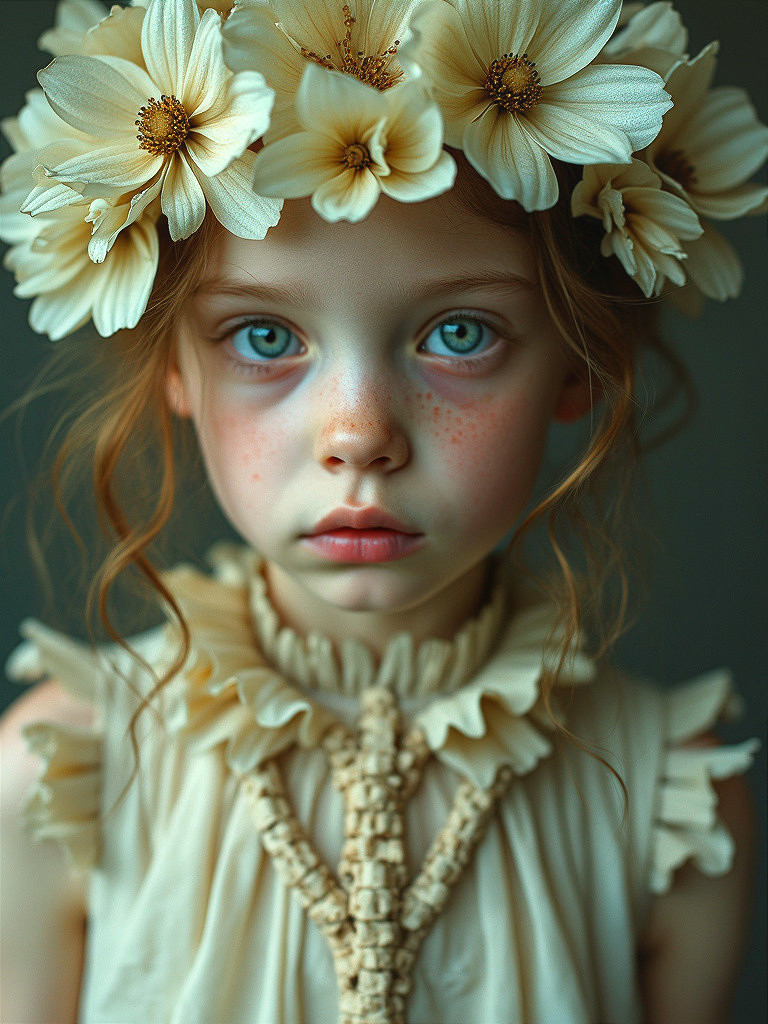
<point x="189" y="922"/>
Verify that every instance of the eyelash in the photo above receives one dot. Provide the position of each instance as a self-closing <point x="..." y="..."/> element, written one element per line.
<point x="473" y="365"/>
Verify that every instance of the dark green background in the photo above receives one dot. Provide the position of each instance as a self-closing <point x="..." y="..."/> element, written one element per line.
<point x="707" y="604"/>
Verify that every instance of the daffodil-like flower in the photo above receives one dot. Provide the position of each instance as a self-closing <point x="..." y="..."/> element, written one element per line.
<point x="178" y="130"/>
<point x="49" y="253"/>
<point x="517" y="86"/>
<point x="357" y="143"/>
<point x="644" y="225"/>
<point x="710" y="145"/>
<point x="280" y="37"/>
<point x="52" y="265"/>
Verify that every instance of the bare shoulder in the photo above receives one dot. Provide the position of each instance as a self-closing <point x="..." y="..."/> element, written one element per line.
<point x="693" y="944"/>
<point x="44" y="901"/>
<point x="19" y="767"/>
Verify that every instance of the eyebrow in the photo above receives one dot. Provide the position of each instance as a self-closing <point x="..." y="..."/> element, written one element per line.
<point x="296" y="294"/>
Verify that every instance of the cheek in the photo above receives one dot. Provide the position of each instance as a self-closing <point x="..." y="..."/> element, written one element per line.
<point x="489" y="450"/>
<point x="244" y="454"/>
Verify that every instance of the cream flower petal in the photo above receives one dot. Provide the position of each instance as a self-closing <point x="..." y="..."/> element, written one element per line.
<point x="231" y="197"/>
<point x="714" y="265"/>
<point x="296" y="166"/>
<point x="658" y="25"/>
<point x="118" y="35"/>
<point x="566" y="134"/>
<point x="625" y="98"/>
<point x="314" y="25"/>
<point x="337" y="104"/>
<point x="494" y="28"/>
<point x="122" y="165"/>
<point x="439" y="43"/>
<point x="100" y="96"/>
<point x="39" y="125"/>
<point x="381" y="22"/>
<point x="205" y="74"/>
<point x="688" y="84"/>
<point x="182" y="199"/>
<point x="412" y="188"/>
<point x="109" y="220"/>
<point x="58" y="314"/>
<point x="664" y="208"/>
<point x="130" y="275"/>
<point x="725" y="141"/>
<point x="253" y="42"/>
<point x="14" y="225"/>
<point x="569" y="35"/>
<point x="167" y="38"/>
<point x="518" y="168"/>
<point x="350" y="196"/>
<point x="415" y="135"/>
<point x="729" y="205"/>
<point x="222" y="134"/>
<point x="72" y="21"/>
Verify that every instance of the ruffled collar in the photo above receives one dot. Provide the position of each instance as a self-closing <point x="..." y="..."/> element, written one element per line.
<point x="248" y="681"/>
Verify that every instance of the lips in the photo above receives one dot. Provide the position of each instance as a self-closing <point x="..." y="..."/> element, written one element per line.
<point x="360" y="519"/>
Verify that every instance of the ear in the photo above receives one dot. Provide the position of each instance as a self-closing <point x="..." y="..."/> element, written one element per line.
<point x="175" y="392"/>
<point x="577" y="397"/>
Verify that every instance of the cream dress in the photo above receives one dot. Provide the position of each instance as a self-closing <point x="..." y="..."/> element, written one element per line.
<point x="320" y="836"/>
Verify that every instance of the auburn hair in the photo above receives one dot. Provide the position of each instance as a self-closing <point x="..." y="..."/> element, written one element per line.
<point x="117" y="429"/>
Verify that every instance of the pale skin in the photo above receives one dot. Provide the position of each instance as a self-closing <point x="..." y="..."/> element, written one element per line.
<point x="368" y="406"/>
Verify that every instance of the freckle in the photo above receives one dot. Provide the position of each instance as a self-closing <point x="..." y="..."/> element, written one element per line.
<point x="255" y="476"/>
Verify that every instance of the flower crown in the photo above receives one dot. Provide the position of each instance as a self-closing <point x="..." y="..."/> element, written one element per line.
<point x="156" y="109"/>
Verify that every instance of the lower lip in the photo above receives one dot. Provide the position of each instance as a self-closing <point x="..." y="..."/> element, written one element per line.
<point x="348" y="545"/>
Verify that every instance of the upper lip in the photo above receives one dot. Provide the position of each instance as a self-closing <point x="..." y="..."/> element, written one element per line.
<point x="359" y="519"/>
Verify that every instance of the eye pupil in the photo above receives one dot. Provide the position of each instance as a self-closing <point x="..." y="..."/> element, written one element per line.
<point x="461" y="335"/>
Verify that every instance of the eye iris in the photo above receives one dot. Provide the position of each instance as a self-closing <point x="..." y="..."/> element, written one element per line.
<point x="461" y="336"/>
<point x="270" y="340"/>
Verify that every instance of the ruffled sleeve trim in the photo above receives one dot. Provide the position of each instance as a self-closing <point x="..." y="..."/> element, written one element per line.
<point x="64" y="802"/>
<point x="686" y="825"/>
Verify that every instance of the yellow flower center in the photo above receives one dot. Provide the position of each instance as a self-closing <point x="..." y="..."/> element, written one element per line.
<point x="676" y="164"/>
<point x="163" y="126"/>
<point x="357" y="156"/>
<point x="374" y="69"/>
<point x="513" y="83"/>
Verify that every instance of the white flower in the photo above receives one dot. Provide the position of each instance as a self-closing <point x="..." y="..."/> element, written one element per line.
<point x="711" y="143"/>
<point x="357" y="142"/>
<point x="516" y="85"/>
<point x="52" y="264"/>
<point x="280" y="37"/>
<point x="195" y="122"/>
<point x="644" y="225"/>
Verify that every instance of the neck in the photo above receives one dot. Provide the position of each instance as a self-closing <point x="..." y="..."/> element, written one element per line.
<point x="439" y="615"/>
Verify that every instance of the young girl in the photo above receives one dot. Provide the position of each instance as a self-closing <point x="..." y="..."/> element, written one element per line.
<point x="369" y="767"/>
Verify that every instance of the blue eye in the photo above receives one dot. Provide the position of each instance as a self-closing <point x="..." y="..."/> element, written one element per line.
<point x="461" y="335"/>
<point x="266" y="339"/>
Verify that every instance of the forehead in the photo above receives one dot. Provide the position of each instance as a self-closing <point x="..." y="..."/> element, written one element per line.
<point x="397" y="246"/>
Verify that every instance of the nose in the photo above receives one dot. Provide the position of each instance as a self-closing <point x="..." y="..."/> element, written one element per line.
<point x="360" y="431"/>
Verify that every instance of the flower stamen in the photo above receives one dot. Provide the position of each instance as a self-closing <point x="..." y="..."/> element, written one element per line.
<point x="357" y="156"/>
<point x="163" y="126"/>
<point x="512" y="82"/>
<point x="373" y="69"/>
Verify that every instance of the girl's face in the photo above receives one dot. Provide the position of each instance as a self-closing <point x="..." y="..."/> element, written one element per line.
<point x="405" y="363"/>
